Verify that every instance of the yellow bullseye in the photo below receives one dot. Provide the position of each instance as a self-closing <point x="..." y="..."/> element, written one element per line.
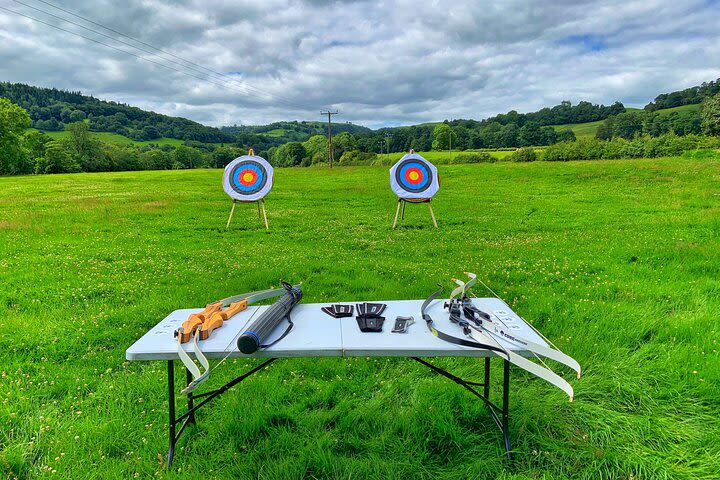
<point x="414" y="175"/>
<point x="248" y="177"/>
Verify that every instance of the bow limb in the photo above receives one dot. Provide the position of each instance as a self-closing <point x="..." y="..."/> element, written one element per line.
<point x="460" y="290"/>
<point x="186" y="360"/>
<point x="522" y="362"/>
<point x="198" y="379"/>
<point x="497" y="331"/>
<point x="470" y="283"/>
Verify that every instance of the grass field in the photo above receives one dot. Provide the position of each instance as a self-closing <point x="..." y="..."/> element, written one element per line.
<point x="108" y="137"/>
<point x="581" y="130"/>
<point x="443" y="156"/>
<point x="618" y="262"/>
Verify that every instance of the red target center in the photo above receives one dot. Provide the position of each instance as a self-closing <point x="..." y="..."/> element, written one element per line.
<point x="413" y="175"/>
<point x="247" y="177"/>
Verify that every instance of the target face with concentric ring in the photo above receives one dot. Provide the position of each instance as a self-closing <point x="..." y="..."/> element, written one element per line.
<point x="414" y="177"/>
<point x="248" y="178"/>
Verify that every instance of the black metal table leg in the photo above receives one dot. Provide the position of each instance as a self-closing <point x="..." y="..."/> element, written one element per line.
<point x="171" y="411"/>
<point x="486" y="381"/>
<point x="499" y="414"/>
<point x="203" y="398"/>
<point x="506" y="406"/>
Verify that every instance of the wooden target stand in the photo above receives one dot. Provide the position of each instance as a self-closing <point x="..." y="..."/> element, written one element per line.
<point x="260" y="205"/>
<point x="400" y="210"/>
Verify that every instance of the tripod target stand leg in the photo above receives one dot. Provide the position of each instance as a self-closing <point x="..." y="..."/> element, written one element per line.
<point x="432" y="214"/>
<point x="402" y="215"/>
<point x="263" y="212"/>
<point x="232" y="210"/>
<point x="397" y="212"/>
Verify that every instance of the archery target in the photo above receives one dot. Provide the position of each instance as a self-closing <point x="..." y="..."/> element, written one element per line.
<point x="248" y="178"/>
<point x="414" y="177"/>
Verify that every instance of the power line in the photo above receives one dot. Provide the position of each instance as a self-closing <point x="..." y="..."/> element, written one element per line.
<point x="286" y="100"/>
<point x="208" y="79"/>
<point x="114" y="48"/>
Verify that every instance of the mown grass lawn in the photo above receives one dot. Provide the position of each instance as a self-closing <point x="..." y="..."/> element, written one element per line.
<point x="618" y="262"/>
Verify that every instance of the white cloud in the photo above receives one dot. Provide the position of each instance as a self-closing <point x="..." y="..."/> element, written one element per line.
<point x="380" y="63"/>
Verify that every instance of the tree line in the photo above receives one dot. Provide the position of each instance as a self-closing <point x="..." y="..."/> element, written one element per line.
<point x="688" y="96"/>
<point x="51" y="109"/>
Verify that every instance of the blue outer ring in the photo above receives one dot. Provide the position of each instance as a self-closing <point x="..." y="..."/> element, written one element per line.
<point x="254" y="187"/>
<point x="413" y="163"/>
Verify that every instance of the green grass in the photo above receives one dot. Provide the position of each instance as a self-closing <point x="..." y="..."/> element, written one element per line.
<point x="581" y="130"/>
<point x="618" y="262"/>
<point x="681" y="108"/>
<point x="443" y="156"/>
<point x="108" y="137"/>
<point x="276" y="132"/>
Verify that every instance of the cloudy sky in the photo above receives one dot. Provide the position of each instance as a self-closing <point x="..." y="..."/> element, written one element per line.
<point x="378" y="63"/>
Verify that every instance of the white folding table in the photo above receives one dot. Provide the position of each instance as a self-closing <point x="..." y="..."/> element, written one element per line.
<point x="316" y="334"/>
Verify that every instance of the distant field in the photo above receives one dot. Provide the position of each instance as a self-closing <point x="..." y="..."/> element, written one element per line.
<point x="682" y="108"/>
<point x="120" y="139"/>
<point x="617" y="262"/>
<point x="277" y="132"/>
<point x="581" y="130"/>
<point x="588" y="130"/>
<point x="444" y="156"/>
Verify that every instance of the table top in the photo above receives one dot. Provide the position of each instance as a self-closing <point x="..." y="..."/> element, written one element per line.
<point x="317" y="334"/>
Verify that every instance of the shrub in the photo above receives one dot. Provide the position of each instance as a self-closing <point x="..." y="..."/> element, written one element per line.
<point x="356" y="157"/>
<point x="475" y="157"/>
<point x="525" y="154"/>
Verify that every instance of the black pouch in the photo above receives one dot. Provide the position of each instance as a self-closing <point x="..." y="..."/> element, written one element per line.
<point x="370" y="324"/>
<point x="338" y="311"/>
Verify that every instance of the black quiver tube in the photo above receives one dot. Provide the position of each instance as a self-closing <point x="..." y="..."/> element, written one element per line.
<point x="258" y="331"/>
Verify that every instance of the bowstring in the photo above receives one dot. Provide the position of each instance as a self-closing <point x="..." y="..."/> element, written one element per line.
<point x="228" y="348"/>
<point x="521" y="317"/>
<point x="538" y="357"/>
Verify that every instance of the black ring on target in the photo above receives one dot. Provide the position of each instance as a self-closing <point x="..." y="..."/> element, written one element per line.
<point x="248" y="177"/>
<point x="413" y="175"/>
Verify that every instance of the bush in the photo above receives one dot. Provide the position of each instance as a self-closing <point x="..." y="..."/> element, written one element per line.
<point x="355" y="157"/>
<point x="666" y="145"/>
<point x="523" y="155"/>
<point x="475" y="157"/>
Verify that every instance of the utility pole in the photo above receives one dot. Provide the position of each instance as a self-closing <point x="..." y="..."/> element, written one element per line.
<point x="330" y="149"/>
<point x="451" y="134"/>
<point x="388" y="136"/>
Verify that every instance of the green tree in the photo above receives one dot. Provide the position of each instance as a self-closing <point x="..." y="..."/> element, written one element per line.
<point x="84" y="149"/>
<point x="628" y="124"/>
<point x="14" y="120"/>
<point x="443" y="136"/>
<point x="344" y="142"/>
<point x="710" y="115"/>
<point x="530" y="134"/>
<point x="57" y="159"/>
<point x="606" y="129"/>
<point x="289" y="154"/>
<point x="566" y="136"/>
<point x="187" y="157"/>
<point x="316" y="148"/>
<point x="221" y="156"/>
